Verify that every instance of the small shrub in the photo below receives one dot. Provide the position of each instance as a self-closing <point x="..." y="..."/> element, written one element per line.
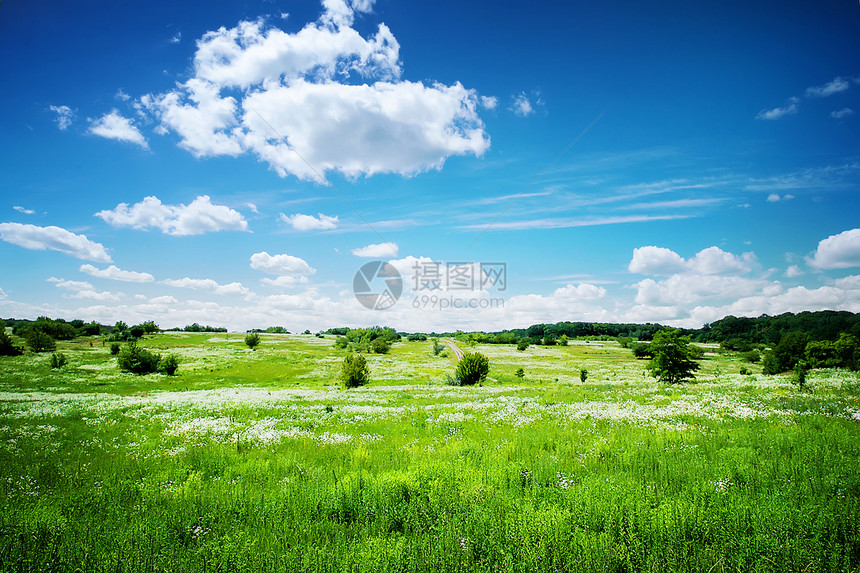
<point x="473" y="368"/>
<point x="520" y="373"/>
<point x="752" y="356"/>
<point x="355" y="371"/>
<point x="800" y="370"/>
<point x="437" y="347"/>
<point x="522" y="344"/>
<point x="380" y="346"/>
<point x="115" y="348"/>
<point x="137" y="360"/>
<point x="252" y="340"/>
<point x="744" y="371"/>
<point x="642" y="351"/>
<point x="58" y="360"/>
<point x="39" y="341"/>
<point x="583" y="375"/>
<point x="169" y="364"/>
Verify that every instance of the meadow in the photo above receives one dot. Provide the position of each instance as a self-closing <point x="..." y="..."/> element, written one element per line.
<point x="261" y="461"/>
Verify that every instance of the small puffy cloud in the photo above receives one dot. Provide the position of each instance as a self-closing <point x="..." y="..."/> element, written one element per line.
<point x="489" y="102"/>
<point x="793" y="271"/>
<point x="252" y="207"/>
<point x="82" y="290"/>
<point x="176" y="38"/>
<point x="65" y="115"/>
<point x="301" y="222"/>
<point x="715" y="261"/>
<point x="832" y="87"/>
<point x="522" y="106"/>
<point x="582" y="291"/>
<point x="778" y="112"/>
<point x="660" y="261"/>
<point x="235" y="289"/>
<point x="117" y="274"/>
<point x="775" y="197"/>
<point x="838" y="251"/>
<point x="23" y="210"/>
<point x="377" y="251"/>
<point x="115" y="126"/>
<point x="201" y="216"/>
<point x="280" y="264"/>
<point x="54" y="239"/>
<point x="842" y="113"/>
<point x="651" y="260"/>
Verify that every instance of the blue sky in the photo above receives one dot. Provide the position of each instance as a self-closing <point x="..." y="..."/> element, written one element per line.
<point x="236" y="165"/>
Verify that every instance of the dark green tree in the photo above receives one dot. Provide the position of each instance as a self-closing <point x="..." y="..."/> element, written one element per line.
<point x="39" y="341"/>
<point x="354" y="371"/>
<point x="6" y="346"/>
<point x="672" y="360"/>
<point x="473" y="368"/>
<point x="132" y="358"/>
<point x="252" y="340"/>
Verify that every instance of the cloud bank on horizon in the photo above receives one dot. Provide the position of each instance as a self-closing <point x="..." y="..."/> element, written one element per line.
<point x="247" y="189"/>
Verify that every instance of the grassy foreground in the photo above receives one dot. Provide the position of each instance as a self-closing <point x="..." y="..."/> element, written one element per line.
<point x="259" y="461"/>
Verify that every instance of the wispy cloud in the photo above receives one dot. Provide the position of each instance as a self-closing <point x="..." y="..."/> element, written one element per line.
<point x="54" y="239"/>
<point x="378" y="251"/>
<point x="114" y="126"/>
<point x="832" y="87"/>
<point x="23" y="210"/>
<point x="842" y="113"/>
<point x="65" y="115"/>
<point x="778" y="112"/>
<point x="564" y="222"/>
<point x="301" y="222"/>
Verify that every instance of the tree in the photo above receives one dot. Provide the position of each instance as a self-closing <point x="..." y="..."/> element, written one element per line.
<point x="137" y="360"/>
<point x="354" y="371"/>
<point x="6" y="346"/>
<point x="58" y="360"/>
<point x="39" y="341"/>
<point x="522" y="344"/>
<point x="673" y="358"/>
<point x="252" y="340"/>
<point x="473" y="368"/>
<point x="583" y="375"/>
<point x="169" y="364"/>
<point x="437" y="347"/>
<point x="786" y="354"/>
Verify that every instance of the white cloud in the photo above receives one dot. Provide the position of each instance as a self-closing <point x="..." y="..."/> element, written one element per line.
<point x="297" y="85"/>
<point x="115" y="126"/>
<point x="775" y="197"/>
<point x="252" y="207"/>
<point x="793" y="271"/>
<point x="838" y="251"/>
<point x="3" y="295"/>
<point x="280" y="264"/>
<point x="176" y="38"/>
<point x="23" y="210"/>
<point x="651" y="260"/>
<point x="82" y="290"/>
<point x="522" y="106"/>
<point x="199" y="217"/>
<point x="234" y="289"/>
<point x="842" y="113"/>
<point x="65" y="115"/>
<point x="489" y="102"/>
<point x="660" y="261"/>
<point x="851" y="282"/>
<point x="301" y="222"/>
<point x="377" y="251"/>
<point x="54" y="239"/>
<point x="285" y="281"/>
<point x="834" y="86"/>
<point x="117" y="274"/>
<point x="778" y="112"/>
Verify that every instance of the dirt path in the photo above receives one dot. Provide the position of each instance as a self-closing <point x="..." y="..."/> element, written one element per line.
<point x="459" y="353"/>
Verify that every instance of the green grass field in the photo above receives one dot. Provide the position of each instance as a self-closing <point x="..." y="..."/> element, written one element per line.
<point x="261" y="461"/>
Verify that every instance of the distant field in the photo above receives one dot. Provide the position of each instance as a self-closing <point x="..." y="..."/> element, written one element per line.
<point x="261" y="461"/>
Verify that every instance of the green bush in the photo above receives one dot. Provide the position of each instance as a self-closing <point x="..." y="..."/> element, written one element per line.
<point x="522" y="344"/>
<point x="6" y="346"/>
<point x="39" y="341"/>
<point x="58" y="360"/>
<point x="114" y="348"/>
<point x="520" y="373"/>
<point x="473" y="368"/>
<point x="252" y="340"/>
<point x="169" y="364"/>
<point x="673" y="359"/>
<point x="137" y="360"/>
<point x="583" y="375"/>
<point x="752" y="356"/>
<point x="380" y="346"/>
<point x="354" y="371"/>
<point x="641" y="350"/>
